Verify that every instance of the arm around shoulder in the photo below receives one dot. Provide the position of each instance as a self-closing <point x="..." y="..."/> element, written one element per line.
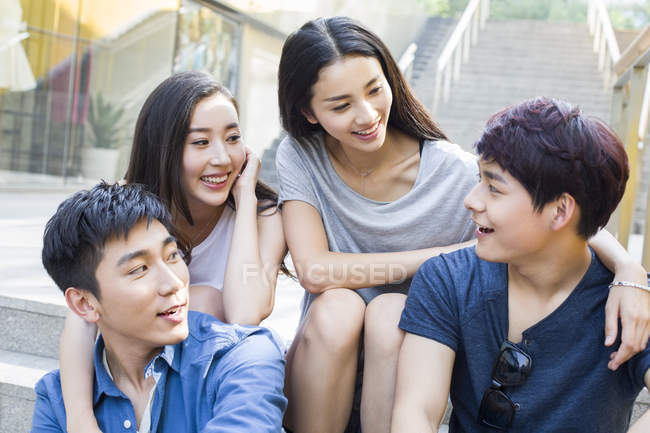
<point x="249" y="387"/>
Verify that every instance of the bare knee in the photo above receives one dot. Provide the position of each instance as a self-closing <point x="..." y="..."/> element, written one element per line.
<point x="335" y="321"/>
<point x="381" y="323"/>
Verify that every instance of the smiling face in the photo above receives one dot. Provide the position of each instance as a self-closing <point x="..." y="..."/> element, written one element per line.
<point x="143" y="287"/>
<point x="351" y="101"/>
<point x="213" y="154"/>
<point x="509" y="229"/>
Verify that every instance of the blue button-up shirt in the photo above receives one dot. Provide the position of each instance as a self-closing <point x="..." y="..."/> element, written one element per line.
<point x="222" y="378"/>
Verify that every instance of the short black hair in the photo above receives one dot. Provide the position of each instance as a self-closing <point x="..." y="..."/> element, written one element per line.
<point x="74" y="238"/>
<point x="550" y="147"/>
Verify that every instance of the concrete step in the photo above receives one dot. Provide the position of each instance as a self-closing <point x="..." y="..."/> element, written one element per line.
<point x="28" y="349"/>
<point x="519" y="59"/>
<point x="19" y="373"/>
<point x="31" y="327"/>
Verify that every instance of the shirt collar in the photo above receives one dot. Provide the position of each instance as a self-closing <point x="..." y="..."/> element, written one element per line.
<point x="157" y="366"/>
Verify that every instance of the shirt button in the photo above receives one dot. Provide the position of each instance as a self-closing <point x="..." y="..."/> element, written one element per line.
<point x="127" y="424"/>
<point x="527" y="342"/>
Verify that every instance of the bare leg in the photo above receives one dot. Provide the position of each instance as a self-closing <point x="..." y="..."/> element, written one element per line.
<point x="322" y="364"/>
<point x="382" y="341"/>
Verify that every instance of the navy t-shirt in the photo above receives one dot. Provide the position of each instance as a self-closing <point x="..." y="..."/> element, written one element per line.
<point x="461" y="301"/>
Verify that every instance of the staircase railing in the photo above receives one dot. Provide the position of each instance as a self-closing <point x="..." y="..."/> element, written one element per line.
<point x="456" y="51"/>
<point x="629" y="118"/>
<point x="405" y="62"/>
<point x="605" y="44"/>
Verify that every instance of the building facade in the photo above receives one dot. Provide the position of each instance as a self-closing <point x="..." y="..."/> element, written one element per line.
<point x="79" y="71"/>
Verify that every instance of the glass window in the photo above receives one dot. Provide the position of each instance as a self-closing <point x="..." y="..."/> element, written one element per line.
<point x="93" y="62"/>
<point x="207" y="41"/>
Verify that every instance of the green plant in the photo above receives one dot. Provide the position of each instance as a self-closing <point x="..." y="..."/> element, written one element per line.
<point x="104" y="119"/>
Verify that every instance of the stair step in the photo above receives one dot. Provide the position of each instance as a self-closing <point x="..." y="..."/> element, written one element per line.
<point x="515" y="60"/>
<point x="31" y="327"/>
<point x="19" y="373"/>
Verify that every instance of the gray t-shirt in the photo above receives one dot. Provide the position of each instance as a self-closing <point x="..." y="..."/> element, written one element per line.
<point x="430" y="214"/>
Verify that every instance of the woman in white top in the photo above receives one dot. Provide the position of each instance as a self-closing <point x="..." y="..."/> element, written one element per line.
<point x="188" y="150"/>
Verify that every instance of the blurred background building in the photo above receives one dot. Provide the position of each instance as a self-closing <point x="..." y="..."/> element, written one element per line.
<point x="74" y="73"/>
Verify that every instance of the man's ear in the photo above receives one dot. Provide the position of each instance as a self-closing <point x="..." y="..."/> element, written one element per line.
<point x="564" y="209"/>
<point x="83" y="304"/>
<point x="309" y="116"/>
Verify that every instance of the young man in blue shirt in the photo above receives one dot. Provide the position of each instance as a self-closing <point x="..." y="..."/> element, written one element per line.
<point x="158" y="368"/>
<point x="512" y="328"/>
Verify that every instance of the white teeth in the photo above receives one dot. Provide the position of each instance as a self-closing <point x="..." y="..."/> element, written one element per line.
<point x="368" y="131"/>
<point x="212" y="179"/>
<point x="170" y="312"/>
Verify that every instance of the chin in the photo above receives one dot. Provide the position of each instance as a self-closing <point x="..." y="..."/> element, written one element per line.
<point x="487" y="255"/>
<point x="177" y="335"/>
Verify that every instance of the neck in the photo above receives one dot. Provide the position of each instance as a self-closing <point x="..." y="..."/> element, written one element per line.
<point x="359" y="161"/>
<point x="204" y="219"/>
<point x="127" y="363"/>
<point x="557" y="268"/>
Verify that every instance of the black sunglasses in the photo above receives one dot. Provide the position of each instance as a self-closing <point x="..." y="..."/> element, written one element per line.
<point x="511" y="368"/>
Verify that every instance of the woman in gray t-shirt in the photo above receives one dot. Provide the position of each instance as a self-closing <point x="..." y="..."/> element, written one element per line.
<point x="369" y="189"/>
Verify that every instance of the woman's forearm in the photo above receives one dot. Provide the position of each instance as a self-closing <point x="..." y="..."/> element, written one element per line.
<point x="612" y="253"/>
<point x="248" y="287"/>
<point x="76" y="349"/>
<point x="329" y="270"/>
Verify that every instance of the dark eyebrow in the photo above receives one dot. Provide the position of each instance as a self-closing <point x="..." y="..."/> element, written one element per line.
<point x="494" y="176"/>
<point x="128" y="257"/>
<point x="139" y="253"/>
<point x="168" y="240"/>
<point x="339" y="97"/>
<point x="191" y="130"/>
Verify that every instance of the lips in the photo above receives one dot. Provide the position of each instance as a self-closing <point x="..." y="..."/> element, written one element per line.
<point x="174" y="314"/>
<point x="369" y="133"/>
<point x="485" y="230"/>
<point x="214" y="180"/>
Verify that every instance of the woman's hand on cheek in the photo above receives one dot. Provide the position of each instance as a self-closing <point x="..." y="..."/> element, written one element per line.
<point x="632" y="306"/>
<point x="244" y="186"/>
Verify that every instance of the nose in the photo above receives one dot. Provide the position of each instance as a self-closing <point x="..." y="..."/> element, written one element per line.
<point x="366" y="114"/>
<point x="473" y="200"/>
<point x="219" y="154"/>
<point x="173" y="277"/>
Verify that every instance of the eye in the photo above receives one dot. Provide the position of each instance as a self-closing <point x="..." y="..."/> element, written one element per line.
<point x="200" y="142"/>
<point x="139" y="270"/>
<point x="233" y="138"/>
<point x="376" y="90"/>
<point x="174" y="256"/>
<point x="492" y="189"/>
<point x="341" y="107"/>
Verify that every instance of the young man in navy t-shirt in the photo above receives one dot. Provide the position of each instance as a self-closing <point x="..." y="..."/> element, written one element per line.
<point x="513" y="327"/>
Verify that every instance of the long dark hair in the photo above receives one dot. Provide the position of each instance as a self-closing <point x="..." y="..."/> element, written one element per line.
<point x="159" y="139"/>
<point x="319" y="43"/>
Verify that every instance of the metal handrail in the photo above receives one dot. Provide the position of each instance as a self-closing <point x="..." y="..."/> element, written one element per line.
<point x="605" y="43"/>
<point x="457" y="48"/>
<point x="405" y="62"/>
<point x="630" y="107"/>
